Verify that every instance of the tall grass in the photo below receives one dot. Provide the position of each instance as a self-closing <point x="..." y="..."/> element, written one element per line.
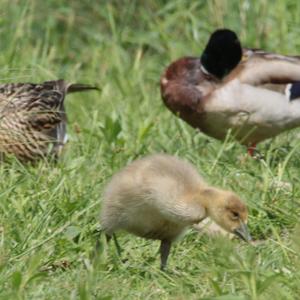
<point x="49" y="213"/>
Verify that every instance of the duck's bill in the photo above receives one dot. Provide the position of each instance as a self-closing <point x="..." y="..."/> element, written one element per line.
<point x="243" y="233"/>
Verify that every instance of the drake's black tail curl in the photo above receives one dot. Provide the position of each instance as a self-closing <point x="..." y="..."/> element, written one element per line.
<point x="293" y="91"/>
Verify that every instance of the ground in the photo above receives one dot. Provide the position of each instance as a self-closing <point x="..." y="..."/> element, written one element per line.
<point x="49" y="213"/>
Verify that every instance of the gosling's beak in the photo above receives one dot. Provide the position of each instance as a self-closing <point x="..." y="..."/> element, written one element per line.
<point x="243" y="232"/>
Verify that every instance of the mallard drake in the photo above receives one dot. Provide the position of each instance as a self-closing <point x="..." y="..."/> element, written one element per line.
<point x="159" y="196"/>
<point x="253" y="93"/>
<point x="33" y="118"/>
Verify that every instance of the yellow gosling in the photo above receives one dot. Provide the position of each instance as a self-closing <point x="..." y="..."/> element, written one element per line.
<point x="160" y="196"/>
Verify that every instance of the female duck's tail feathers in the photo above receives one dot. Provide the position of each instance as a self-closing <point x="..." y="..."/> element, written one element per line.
<point x="292" y="91"/>
<point x="66" y="87"/>
<point x="80" y="87"/>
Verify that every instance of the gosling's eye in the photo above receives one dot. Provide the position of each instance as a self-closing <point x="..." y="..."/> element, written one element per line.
<point x="235" y="215"/>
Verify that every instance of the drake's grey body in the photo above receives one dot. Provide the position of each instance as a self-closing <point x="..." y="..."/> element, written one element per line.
<point x="257" y="99"/>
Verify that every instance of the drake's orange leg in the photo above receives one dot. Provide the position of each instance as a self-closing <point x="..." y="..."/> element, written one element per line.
<point x="251" y="149"/>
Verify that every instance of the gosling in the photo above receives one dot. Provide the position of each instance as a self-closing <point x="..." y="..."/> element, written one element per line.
<point x="159" y="196"/>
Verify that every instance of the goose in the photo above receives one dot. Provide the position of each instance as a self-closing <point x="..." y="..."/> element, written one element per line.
<point x="33" y="118"/>
<point x="159" y="196"/>
<point x="252" y="93"/>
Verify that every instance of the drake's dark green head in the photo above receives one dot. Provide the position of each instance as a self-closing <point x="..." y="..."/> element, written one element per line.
<point x="222" y="53"/>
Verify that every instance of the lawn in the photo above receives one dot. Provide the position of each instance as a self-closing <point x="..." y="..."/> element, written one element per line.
<point x="49" y="213"/>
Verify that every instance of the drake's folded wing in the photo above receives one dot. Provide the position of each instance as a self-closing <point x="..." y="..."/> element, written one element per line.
<point x="258" y="67"/>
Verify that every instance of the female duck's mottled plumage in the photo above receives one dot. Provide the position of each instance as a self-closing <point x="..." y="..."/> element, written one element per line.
<point x="33" y="118"/>
<point x="256" y="95"/>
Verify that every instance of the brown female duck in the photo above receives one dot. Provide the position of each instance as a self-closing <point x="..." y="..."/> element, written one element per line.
<point x="33" y="118"/>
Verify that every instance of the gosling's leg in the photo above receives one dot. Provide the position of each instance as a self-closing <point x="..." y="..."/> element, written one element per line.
<point x="98" y="242"/>
<point x="108" y="238"/>
<point x="165" y="247"/>
<point x="119" y="249"/>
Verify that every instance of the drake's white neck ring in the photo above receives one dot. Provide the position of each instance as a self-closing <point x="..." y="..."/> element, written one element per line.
<point x="204" y="70"/>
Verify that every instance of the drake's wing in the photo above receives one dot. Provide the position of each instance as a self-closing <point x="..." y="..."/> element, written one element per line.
<point x="259" y="67"/>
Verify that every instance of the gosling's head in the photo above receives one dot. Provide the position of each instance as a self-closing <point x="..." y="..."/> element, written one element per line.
<point x="228" y="211"/>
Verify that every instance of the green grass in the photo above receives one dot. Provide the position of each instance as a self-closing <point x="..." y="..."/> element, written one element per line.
<point x="49" y="213"/>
